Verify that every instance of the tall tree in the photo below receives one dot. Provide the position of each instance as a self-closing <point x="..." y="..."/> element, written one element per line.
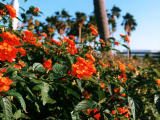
<point x="129" y="23"/>
<point x="101" y="18"/>
<point x="115" y="13"/>
<point x="80" y="19"/>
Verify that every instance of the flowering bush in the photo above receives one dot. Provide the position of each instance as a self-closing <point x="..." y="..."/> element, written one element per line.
<point x="44" y="79"/>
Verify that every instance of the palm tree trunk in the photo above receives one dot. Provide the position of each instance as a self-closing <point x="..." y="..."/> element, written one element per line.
<point x="80" y="33"/>
<point x="101" y="18"/>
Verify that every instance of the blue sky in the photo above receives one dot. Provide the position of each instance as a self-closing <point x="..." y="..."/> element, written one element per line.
<point x="146" y="13"/>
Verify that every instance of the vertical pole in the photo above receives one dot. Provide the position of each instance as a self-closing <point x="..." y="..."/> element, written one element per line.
<point x="15" y="4"/>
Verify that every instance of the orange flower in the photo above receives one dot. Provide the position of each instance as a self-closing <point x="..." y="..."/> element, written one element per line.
<point x="100" y="40"/>
<point x="56" y="42"/>
<point x="72" y="49"/>
<point x="131" y="67"/>
<point x="102" y="85"/>
<point x="5" y="83"/>
<point x="83" y="68"/>
<point x="104" y="65"/>
<point x="36" y="22"/>
<point x="97" y="116"/>
<point x="36" y="10"/>
<point x="22" y="63"/>
<point x="44" y="35"/>
<point x="10" y="38"/>
<point x="47" y="64"/>
<point x="116" y="90"/>
<point x="116" y="43"/>
<point x="158" y="81"/>
<point x="22" y="51"/>
<point x="90" y="56"/>
<point x="72" y="37"/>
<point x="127" y="39"/>
<point x="2" y="13"/>
<point x="94" y="31"/>
<point x="17" y="66"/>
<point x="28" y="37"/>
<point x="124" y="111"/>
<point x="11" y="10"/>
<point x="122" y="78"/>
<point x="122" y="35"/>
<point x="122" y="68"/>
<point x="7" y="52"/>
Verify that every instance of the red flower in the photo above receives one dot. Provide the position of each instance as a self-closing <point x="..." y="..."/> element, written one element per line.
<point x="97" y="116"/>
<point x="56" y="42"/>
<point x="83" y="68"/>
<point x="44" y="35"/>
<point x="72" y="49"/>
<point x="5" y="83"/>
<point x="36" y="10"/>
<point x="47" y="64"/>
<point x="10" y="38"/>
<point x="11" y="10"/>
<point x="7" y="52"/>
<point x="116" y="43"/>
<point x="94" y="31"/>
<point x="90" y="56"/>
<point x="72" y="37"/>
<point x="158" y="81"/>
<point x="22" y="51"/>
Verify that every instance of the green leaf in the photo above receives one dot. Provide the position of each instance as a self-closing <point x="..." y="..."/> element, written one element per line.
<point x="17" y="114"/>
<point x="44" y="93"/>
<point x="157" y="102"/>
<point x="19" y="97"/>
<point x="75" y="116"/>
<point x="59" y="69"/>
<point x="125" y="46"/>
<point x="85" y="104"/>
<point x="2" y="26"/>
<point x="157" y="72"/>
<point x="135" y="106"/>
<point x="7" y="108"/>
<point x="38" y="67"/>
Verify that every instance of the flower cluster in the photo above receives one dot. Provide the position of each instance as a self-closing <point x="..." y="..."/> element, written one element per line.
<point x="56" y="42"/>
<point x="122" y="111"/>
<point x="94" y="30"/>
<point x="83" y="68"/>
<point x="29" y="37"/>
<point x="11" y="10"/>
<point x="47" y="64"/>
<point x="5" y="83"/>
<point x="102" y="41"/>
<point x="2" y="13"/>
<point x="97" y="116"/>
<point x="72" y="49"/>
<point x="7" y="52"/>
<point x="36" y="10"/>
<point x="10" y="38"/>
<point x="19" y="65"/>
<point x="90" y="57"/>
<point x="103" y="64"/>
<point x="158" y="82"/>
<point x="126" y="38"/>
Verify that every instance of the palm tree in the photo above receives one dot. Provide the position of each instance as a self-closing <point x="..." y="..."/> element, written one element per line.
<point x="129" y="24"/>
<point x="115" y="14"/>
<point x="59" y="21"/>
<point x="101" y="18"/>
<point x="80" y="19"/>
